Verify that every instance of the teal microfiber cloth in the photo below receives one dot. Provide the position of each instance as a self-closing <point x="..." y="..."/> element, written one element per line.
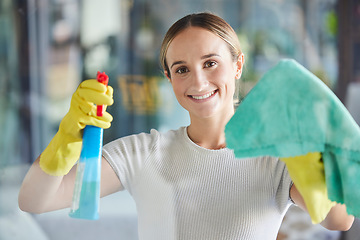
<point x="289" y="113"/>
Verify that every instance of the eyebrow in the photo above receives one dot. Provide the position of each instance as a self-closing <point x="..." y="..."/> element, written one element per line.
<point x="210" y="55"/>
<point x="203" y="57"/>
<point x="177" y="63"/>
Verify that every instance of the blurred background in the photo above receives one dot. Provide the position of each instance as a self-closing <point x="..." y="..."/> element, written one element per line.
<point x="47" y="47"/>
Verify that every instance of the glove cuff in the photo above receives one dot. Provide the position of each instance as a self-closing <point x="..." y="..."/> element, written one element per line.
<point x="60" y="155"/>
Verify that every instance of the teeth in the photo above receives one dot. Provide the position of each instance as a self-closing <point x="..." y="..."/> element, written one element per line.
<point x="203" y="96"/>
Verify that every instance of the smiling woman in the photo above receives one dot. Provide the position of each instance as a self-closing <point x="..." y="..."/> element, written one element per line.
<point x="202" y="72"/>
<point x="186" y="183"/>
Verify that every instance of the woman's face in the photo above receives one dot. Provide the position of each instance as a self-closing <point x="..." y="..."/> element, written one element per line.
<point x="203" y="73"/>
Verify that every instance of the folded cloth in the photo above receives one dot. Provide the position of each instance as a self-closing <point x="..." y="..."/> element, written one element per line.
<point x="290" y="112"/>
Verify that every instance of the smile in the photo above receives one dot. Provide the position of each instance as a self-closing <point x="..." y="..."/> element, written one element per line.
<point x="203" y="96"/>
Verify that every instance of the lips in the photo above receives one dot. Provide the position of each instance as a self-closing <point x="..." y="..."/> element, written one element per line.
<point x="202" y="97"/>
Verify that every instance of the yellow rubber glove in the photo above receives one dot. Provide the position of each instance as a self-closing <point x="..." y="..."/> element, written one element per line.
<point x="308" y="175"/>
<point x="64" y="149"/>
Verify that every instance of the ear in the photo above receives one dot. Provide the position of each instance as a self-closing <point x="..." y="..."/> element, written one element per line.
<point x="239" y="66"/>
<point x="167" y="75"/>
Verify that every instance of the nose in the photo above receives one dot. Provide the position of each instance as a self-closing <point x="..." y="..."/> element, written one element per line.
<point x="200" y="81"/>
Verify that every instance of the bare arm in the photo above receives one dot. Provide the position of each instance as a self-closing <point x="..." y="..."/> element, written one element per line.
<point x="41" y="192"/>
<point x="337" y="218"/>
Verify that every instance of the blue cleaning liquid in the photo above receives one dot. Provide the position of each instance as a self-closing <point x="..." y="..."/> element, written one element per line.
<point x="88" y="205"/>
<point x="86" y="197"/>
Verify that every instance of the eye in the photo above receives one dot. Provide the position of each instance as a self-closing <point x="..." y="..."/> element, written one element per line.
<point x="181" y="70"/>
<point x="209" y="64"/>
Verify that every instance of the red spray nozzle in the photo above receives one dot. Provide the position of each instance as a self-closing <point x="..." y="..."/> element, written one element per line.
<point x="104" y="79"/>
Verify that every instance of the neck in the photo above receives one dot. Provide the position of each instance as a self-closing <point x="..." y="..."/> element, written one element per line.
<point x="208" y="133"/>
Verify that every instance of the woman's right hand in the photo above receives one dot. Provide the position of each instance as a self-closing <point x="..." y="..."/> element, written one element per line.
<point x="49" y="183"/>
<point x="64" y="149"/>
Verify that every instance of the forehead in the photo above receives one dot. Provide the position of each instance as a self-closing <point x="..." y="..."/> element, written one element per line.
<point x="195" y="41"/>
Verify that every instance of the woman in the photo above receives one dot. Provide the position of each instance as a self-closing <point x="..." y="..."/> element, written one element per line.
<point x="186" y="183"/>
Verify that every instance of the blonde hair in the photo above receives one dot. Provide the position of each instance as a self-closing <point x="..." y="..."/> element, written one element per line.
<point x="208" y="21"/>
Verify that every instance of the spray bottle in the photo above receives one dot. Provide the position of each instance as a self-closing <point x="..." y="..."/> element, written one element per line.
<point x="86" y="197"/>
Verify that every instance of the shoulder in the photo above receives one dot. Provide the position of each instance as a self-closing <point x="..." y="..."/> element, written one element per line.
<point x="170" y="135"/>
<point x="268" y="163"/>
<point x="134" y="140"/>
<point x="143" y="141"/>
